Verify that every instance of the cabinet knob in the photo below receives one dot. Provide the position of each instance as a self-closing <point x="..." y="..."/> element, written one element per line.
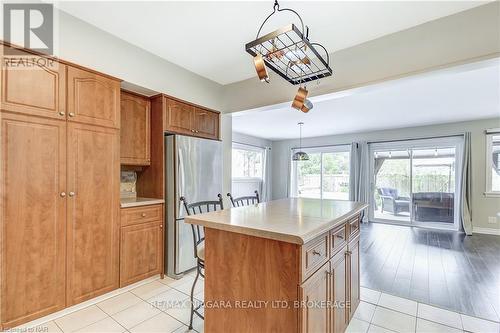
<point x="143" y="214"/>
<point x="71" y="114"/>
<point x="62" y="194"/>
<point x="161" y="226"/>
<point x="193" y="130"/>
<point x="61" y="113"/>
<point x="71" y="194"/>
<point x="197" y="131"/>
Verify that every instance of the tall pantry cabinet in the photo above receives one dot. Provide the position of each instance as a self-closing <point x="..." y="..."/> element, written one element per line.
<point x="59" y="188"/>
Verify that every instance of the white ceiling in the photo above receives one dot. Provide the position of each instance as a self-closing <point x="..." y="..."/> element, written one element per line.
<point x="458" y="94"/>
<point x="208" y="37"/>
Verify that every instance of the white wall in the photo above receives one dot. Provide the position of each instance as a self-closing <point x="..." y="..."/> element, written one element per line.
<point x="482" y="206"/>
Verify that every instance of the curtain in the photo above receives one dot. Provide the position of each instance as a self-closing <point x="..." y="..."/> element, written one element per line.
<point x="266" y="176"/>
<point x="358" y="175"/>
<point x="466" y="187"/>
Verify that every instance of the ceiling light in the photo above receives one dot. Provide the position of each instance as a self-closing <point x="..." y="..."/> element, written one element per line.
<point x="300" y="98"/>
<point x="300" y="155"/>
<point x="260" y="67"/>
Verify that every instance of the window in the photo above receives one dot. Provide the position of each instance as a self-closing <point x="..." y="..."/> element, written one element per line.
<point x="493" y="163"/>
<point x="324" y="176"/>
<point x="247" y="162"/>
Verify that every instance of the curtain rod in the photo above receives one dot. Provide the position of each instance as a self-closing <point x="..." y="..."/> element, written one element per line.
<point x="421" y="138"/>
<point x="322" y="146"/>
<point x="250" y="145"/>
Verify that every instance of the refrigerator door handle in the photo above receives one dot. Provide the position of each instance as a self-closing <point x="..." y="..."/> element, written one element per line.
<point x="181" y="181"/>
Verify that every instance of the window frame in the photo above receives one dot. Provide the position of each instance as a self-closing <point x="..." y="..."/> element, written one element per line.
<point x="293" y="193"/>
<point x="489" y="134"/>
<point x="241" y="146"/>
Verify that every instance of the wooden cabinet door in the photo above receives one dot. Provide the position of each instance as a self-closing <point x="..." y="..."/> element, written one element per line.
<point x="315" y="289"/>
<point x="179" y="118"/>
<point x="339" y="291"/>
<point x="93" y="211"/>
<point x="354" y="282"/>
<point x="206" y="123"/>
<point x="135" y="133"/>
<point x="35" y="90"/>
<point x="92" y="98"/>
<point x="140" y="252"/>
<point x="32" y="217"/>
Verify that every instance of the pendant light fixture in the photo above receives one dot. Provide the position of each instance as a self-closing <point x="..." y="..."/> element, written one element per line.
<point x="300" y="155"/>
<point x="289" y="53"/>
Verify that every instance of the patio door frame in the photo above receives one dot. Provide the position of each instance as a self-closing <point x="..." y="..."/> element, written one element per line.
<point x="415" y="144"/>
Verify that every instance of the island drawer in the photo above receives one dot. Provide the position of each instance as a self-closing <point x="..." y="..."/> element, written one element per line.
<point x="136" y="215"/>
<point x="338" y="238"/>
<point x="353" y="224"/>
<point x="314" y="254"/>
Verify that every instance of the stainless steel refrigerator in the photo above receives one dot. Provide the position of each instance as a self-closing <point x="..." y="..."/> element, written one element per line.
<point x="193" y="169"/>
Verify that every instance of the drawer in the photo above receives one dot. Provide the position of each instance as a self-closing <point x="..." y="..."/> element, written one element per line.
<point x="353" y="223"/>
<point x="338" y="239"/>
<point x="314" y="254"/>
<point x="135" y="215"/>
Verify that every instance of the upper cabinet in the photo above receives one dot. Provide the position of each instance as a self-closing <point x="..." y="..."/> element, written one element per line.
<point x="184" y="118"/>
<point x="93" y="99"/>
<point x="39" y="90"/>
<point x="135" y="133"/>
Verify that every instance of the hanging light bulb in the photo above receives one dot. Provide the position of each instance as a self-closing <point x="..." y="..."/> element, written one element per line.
<point x="300" y="98"/>
<point x="435" y="152"/>
<point x="300" y="155"/>
<point x="390" y="154"/>
<point x="308" y="105"/>
<point x="260" y="67"/>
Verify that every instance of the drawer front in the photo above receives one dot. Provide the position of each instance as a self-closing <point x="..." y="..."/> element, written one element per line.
<point x="353" y="226"/>
<point x="338" y="239"/>
<point x="314" y="254"/>
<point x="136" y="215"/>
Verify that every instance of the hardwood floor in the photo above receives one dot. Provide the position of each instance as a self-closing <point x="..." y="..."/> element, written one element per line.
<point x="441" y="268"/>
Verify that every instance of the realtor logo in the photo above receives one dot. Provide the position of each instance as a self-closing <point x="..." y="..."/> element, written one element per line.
<point x="30" y="26"/>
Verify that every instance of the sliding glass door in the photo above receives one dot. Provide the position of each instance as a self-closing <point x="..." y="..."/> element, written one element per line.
<point x="415" y="182"/>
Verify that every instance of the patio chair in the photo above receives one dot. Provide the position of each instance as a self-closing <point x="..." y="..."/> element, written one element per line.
<point x="392" y="202"/>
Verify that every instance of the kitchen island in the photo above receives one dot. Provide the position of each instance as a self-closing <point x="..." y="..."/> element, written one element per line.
<point x="288" y="265"/>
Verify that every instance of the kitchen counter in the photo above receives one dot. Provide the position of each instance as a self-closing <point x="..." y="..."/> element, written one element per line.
<point x="295" y="220"/>
<point x="139" y="201"/>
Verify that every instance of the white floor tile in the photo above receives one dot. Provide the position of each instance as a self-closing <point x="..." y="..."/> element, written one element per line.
<point x="370" y="295"/>
<point x="170" y="299"/>
<point x="440" y="316"/>
<point x="167" y="280"/>
<point x="425" y="326"/>
<point x="186" y="287"/>
<point x="48" y="327"/>
<point x="200" y="296"/>
<point x="184" y="280"/>
<point x="357" y="326"/>
<point x="161" y="323"/>
<point x="150" y="289"/>
<point x="393" y="320"/>
<point x="378" y="329"/>
<point x="477" y="325"/>
<point x="81" y="318"/>
<point x="107" y="325"/>
<point x="365" y="311"/>
<point x="119" y="303"/>
<point x="399" y="304"/>
<point x="136" y="314"/>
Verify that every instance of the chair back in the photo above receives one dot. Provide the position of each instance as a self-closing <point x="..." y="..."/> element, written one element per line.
<point x="390" y="192"/>
<point x="200" y="207"/>
<point x="244" y="201"/>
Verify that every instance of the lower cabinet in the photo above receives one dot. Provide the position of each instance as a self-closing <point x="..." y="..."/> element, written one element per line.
<point x="353" y="266"/>
<point x="314" y="291"/>
<point x="141" y="246"/>
<point x="339" y="290"/>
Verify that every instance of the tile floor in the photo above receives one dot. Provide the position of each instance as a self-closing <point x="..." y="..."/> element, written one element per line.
<point x="163" y="306"/>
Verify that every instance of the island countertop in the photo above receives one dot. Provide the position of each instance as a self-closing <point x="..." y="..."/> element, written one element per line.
<point x="293" y="220"/>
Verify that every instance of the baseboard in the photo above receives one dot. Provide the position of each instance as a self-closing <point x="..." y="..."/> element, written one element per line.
<point x="487" y="231"/>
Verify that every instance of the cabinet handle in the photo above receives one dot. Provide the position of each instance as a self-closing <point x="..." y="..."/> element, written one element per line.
<point x="316" y="253"/>
<point x="143" y="214"/>
<point x="197" y="131"/>
<point x="62" y="194"/>
<point x="71" y="114"/>
<point x="339" y="236"/>
<point x="192" y="130"/>
<point x="61" y="113"/>
<point x="348" y="253"/>
<point x="329" y="273"/>
<point x="71" y="194"/>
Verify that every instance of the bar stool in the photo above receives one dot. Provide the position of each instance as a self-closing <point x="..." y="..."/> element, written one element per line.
<point x="244" y="201"/>
<point x="199" y="244"/>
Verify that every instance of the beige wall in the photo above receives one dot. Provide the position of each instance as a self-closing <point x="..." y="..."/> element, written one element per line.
<point x="482" y="206"/>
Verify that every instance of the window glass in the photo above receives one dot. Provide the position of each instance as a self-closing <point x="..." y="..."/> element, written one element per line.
<point x="309" y="177"/>
<point x="336" y="175"/>
<point x="495" y="163"/>
<point x="246" y="163"/>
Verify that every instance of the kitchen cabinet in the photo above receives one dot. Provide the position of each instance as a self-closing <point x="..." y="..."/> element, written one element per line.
<point x="92" y="98"/>
<point x="93" y="211"/>
<point x="141" y="246"/>
<point x="316" y="290"/>
<point x="32" y="217"/>
<point x="38" y="91"/>
<point x="184" y="118"/>
<point x="135" y="129"/>
<point x="338" y="291"/>
<point x="354" y="273"/>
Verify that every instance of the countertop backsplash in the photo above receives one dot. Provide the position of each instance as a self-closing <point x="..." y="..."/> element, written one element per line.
<point x="128" y="180"/>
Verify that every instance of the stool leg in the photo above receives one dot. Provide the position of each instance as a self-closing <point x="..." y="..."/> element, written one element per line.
<point x="192" y="297"/>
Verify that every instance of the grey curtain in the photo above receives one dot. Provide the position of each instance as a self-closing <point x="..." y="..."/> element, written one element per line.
<point x="266" y="176"/>
<point x="466" y="187"/>
<point x="358" y="176"/>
